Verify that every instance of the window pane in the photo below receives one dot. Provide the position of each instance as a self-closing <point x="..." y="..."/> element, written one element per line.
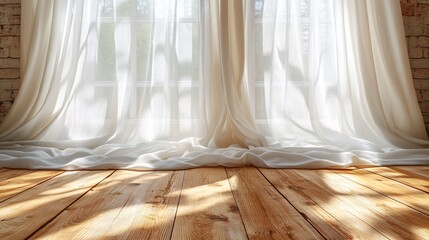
<point x="187" y="9"/>
<point x="143" y="34"/>
<point x="159" y="60"/>
<point x="106" y="8"/>
<point x="259" y="61"/>
<point x="106" y="53"/>
<point x="196" y="52"/>
<point x="258" y="7"/>
<point x="144" y="8"/>
<point x="123" y="8"/>
<point x="104" y="98"/>
<point x="153" y="8"/>
<point x="174" y="102"/>
<point x="184" y="48"/>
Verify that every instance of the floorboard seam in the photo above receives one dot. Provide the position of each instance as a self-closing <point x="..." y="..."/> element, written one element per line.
<point x="383" y="194"/>
<point x="77" y="199"/>
<point x="178" y="203"/>
<point x="49" y="178"/>
<point x="235" y="200"/>
<point x="399" y="181"/>
<point x="302" y="214"/>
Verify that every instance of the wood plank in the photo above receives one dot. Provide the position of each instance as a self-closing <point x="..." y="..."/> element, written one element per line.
<point x="316" y="202"/>
<point x="24" y="213"/>
<point x="391" y="218"/>
<point x="265" y="213"/>
<point x="21" y="182"/>
<point x="11" y="173"/>
<point x="405" y="194"/>
<point x="421" y="171"/>
<point x="207" y="209"/>
<point x="127" y="205"/>
<point x="404" y="175"/>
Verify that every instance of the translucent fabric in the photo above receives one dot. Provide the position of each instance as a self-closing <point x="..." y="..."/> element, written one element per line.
<point x="173" y="84"/>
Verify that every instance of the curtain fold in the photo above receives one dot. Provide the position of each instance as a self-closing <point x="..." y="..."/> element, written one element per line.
<point x="33" y="53"/>
<point x="230" y="121"/>
<point x="147" y="84"/>
<point x="384" y="104"/>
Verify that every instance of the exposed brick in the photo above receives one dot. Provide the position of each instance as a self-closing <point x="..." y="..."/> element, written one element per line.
<point x="425" y="17"/>
<point x="423" y="41"/>
<point x="424" y="95"/>
<point x="411" y="8"/>
<point x="10" y="13"/>
<point x="416" y="24"/>
<point x="425" y="108"/>
<point x="10" y="30"/>
<point x="9" y="74"/>
<point x="417" y="84"/>
<point x="411" y="26"/>
<point x="425" y="52"/>
<point x="412" y="42"/>
<point x="9" y="63"/>
<point x="4" y="108"/>
<point x="10" y="41"/>
<point x="420" y="73"/>
<point x="420" y="63"/>
<point x="419" y="94"/>
<point x="415" y="52"/>
<point x="10" y="1"/>
<point x="424" y="83"/>
<point x="10" y="18"/>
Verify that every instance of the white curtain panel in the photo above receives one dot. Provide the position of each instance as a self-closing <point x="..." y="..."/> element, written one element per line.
<point x="173" y="84"/>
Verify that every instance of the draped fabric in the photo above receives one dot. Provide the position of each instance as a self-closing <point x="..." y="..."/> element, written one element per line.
<point x="172" y="84"/>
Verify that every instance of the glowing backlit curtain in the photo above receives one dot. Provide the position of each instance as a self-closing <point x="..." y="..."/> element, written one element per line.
<point x="168" y="84"/>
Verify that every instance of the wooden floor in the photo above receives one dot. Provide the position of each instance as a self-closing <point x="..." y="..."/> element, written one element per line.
<point x="216" y="203"/>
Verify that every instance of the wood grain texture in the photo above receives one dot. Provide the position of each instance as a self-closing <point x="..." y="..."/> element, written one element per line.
<point x="11" y="173"/>
<point x="312" y="199"/>
<point x="400" y="192"/>
<point x="23" y="214"/>
<point x="368" y="203"/>
<point x="420" y="171"/>
<point x="265" y="213"/>
<point x="20" y="180"/>
<point x="127" y="205"/>
<point x="411" y="176"/>
<point x="387" y="216"/>
<point x="207" y="209"/>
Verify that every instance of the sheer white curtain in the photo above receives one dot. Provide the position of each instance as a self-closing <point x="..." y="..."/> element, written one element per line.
<point x="157" y="84"/>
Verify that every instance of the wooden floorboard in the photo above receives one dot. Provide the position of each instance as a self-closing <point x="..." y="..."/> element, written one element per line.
<point x="6" y="174"/>
<point x="420" y="171"/>
<point x="25" y="213"/>
<point x="412" y="197"/>
<point x="127" y="205"/>
<point x="216" y="203"/>
<point x="266" y="214"/>
<point x="384" y="214"/>
<point x="321" y="204"/>
<point x="19" y="181"/>
<point x="207" y="207"/>
<point x="417" y="179"/>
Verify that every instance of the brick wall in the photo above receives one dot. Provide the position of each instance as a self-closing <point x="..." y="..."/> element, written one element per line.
<point x="416" y="22"/>
<point x="10" y="13"/>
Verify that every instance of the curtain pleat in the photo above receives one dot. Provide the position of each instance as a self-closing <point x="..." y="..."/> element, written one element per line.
<point x="230" y="121"/>
<point x="147" y="84"/>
